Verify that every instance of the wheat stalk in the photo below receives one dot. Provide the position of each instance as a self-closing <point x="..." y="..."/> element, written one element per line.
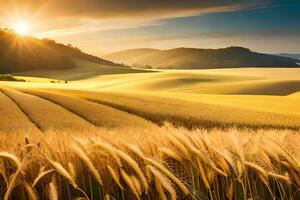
<point x="40" y="176"/>
<point x="136" y="184"/>
<point x="169" y="174"/>
<point x="13" y="180"/>
<point x="257" y="168"/>
<point x="115" y="176"/>
<point x="129" y="182"/>
<point x="280" y="177"/>
<point x="160" y="189"/>
<point x="11" y="157"/>
<point x="30" y="191"/>
<point x="133" y="164"/>
<point x="179" y="146"/>
<point x="88" y="163"/>
<point x="170" y="153"/>
<point x="135" y="149"/>
<point x="72" y="170"/>
<point x="63" y="172"/>
<point x="110" y="150"/>
<point x="107" y="197"/>
<point x="3" y="172"/>
<point x="52" y="190"/>
<point x="161" y="180"/>
<point x="202" y="173"/>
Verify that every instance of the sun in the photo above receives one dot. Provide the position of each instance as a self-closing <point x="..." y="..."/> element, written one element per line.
<point x="21" y="28"/>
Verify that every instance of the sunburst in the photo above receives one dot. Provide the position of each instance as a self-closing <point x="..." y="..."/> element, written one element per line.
<point x="21" y="28"/>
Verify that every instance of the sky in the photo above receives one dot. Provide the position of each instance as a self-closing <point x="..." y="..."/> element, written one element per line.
<point x="104" y="26"/>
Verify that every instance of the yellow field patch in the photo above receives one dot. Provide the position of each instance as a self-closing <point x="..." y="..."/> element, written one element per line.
<point x="12" y="119"/>
<point x="254" y="97"/>
<point x="99" y="115"/>
<point x="267" y="103"/>
<point x="188" y="113"/>
<point x="47" y="115"/>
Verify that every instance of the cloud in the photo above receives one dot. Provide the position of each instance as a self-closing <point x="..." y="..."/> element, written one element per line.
<point x="103" y="9"/>
<point x="254" y="34"/>
<point x="53" y="18"/>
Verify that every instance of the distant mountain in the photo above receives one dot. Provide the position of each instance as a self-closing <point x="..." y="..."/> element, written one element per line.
<point x="189" y="58"/>
<point x="296" y="56"/>
<point x="24" y="53"/>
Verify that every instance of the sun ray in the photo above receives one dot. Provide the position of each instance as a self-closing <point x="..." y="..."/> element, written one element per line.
<point x="21" y="28"/>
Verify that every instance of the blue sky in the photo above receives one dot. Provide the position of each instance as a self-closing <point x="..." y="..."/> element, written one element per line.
<point x="274" y="28"/>
<point x="105" y="26"/>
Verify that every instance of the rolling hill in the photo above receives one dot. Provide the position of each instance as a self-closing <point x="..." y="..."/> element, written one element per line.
<point x="189" y="58"/>
<point x="26" y="53"/>
<point x="296" y="56"/>
<point x="251" y="97"/>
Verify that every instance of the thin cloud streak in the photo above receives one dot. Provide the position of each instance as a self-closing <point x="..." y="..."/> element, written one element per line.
<point x="155" y="9"/>
<point x="77" y="16"/>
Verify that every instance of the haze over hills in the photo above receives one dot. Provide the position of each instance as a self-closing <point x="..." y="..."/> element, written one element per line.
<point x="29" y="56"/>
<point x="25" y="53"/>
<point x="191" y="58"/>
<point x="289" y="55"/>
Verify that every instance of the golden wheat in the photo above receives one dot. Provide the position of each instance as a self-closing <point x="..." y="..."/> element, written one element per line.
<point x="152" y="167"/>
<point x="13" y="120"/>
<point x="106" y="116"/>
<point x="11" y="157"/>
<point x="115" y="176"/>
<point x="157" y="108"/>
<point x="63" y="172"/>
<point x="52" y="190"/>
<point x="53" y="117"/>
<point x="130" y="184"/>
<point x="40" y="176"/>
<point x="134" y="165"/>
<point x="31" y="193"/>
<point x="162" y="181"/>
<point x="87" y="162"/>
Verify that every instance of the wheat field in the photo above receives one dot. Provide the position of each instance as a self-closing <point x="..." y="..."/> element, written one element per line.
<point x="156" y="135"/>
<point x="12" y="118"/>
<point x="169" y="163"/>
<point x="98" y="114"/>
<point x="195" y="112"/>
<point x="45" y="114"/>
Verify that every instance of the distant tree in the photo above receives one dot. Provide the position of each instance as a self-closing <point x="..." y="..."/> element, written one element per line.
<point x="148" y="67"/>
<point x="137" y="65"/>
<point x="8" y="77"/>
<point x="48" y="41"/>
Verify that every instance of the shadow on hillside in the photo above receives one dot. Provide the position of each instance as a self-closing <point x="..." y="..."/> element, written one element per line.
<point x="264" y="87"/>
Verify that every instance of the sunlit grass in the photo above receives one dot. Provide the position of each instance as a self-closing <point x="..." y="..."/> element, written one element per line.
<point x="97" y="114"/>
<point x="169" y="164"/>
<point x="185" y="111"/>
<point x="12" y="119"/>
<point x="107" y="138"/>
<point x="46" y="115"/>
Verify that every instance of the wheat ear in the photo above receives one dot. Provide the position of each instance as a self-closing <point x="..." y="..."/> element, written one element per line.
<point x="80" y="153"/>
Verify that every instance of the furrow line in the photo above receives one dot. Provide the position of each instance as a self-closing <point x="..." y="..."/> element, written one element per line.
<point x="128" y="110"/>
<point x="190" y="122"/>
<point x="67" y="109"/>
<point x="23" y="111"/>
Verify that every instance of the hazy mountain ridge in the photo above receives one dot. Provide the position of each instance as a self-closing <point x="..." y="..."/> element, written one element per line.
<point x="25" y="53"/>
<point x="289" y="55"/>
<point x="192" y="58"/>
